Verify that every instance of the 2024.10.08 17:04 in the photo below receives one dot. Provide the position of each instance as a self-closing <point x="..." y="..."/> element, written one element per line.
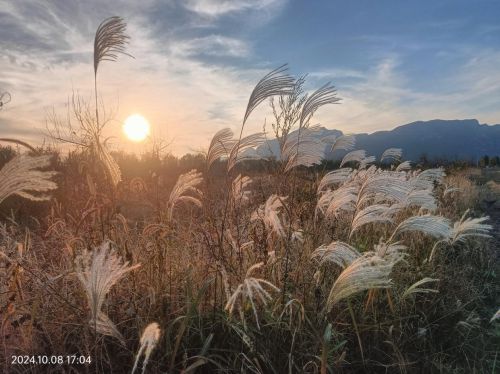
<point x="51" y="360"/>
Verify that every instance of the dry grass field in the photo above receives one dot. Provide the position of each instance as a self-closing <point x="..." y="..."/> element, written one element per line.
<point x="229" y="263"/>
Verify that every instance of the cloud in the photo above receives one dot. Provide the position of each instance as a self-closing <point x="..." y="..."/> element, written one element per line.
<point x="192" y="73"/>
<point x="212" y="45"/>
<point x="217" y="8"/>
<point x="185" y="96"/>
<point x="383" y="97"/>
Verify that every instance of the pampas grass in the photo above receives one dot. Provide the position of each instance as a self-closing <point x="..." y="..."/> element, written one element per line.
<point x="252" y="290"/>
<point x="322" y="96"/>
<point x="185" y="191"/>
<point x="393" y="154"/>
<point x="353" y="156"/>
<point x="244" y="149"/>
<point x="344" y="143"/>
<point x="275" y="83"/>
<point x="303" y="148"/>
<point x="240" y="190"/>
<point x="371" y="214"/>
<point x="339" y="253"/>
<point x="149" y="340"/>
<point x="220" y="146"/>
<point x="435" y="226"/>
<point x="110" y="41"/>
<point x="365" y="273"/>
<point x="469" y="227"/>
<point x="333" y="178"/>
<point x="21" y="177"/>
<point x="98" y="271"/>
<point x="415" y="287"/>
<point x="270" y="213"/>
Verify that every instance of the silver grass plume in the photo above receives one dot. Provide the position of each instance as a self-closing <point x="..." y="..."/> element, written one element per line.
<point x="389" y="250"/>
<point x="21" y="177"/>
<point x="185" y="191"/>
<point x="339" y="253"/>
<point x="334" y="177"/>
<point x="405" y="165"/>
<point x="269" y="213"/>
<point x="109" y="163"/>
<point x="367" y="272"/>
<point x="436" y="226"/>
<point x="415" y="287"/>
<point x="394" y="189"/>
<point x="344" y="142"/>
<point x="244" y="149"/>
<point x="251" y="290"/>
<point x="303" y="148"/>
<point x="20" y="142"/>
<point x="149" y="340"/>
<point x="98" y="271"/>
<point x="240" y="191"/>
<point x="220" y="146"/>
<point x="422" y="198"/>
<point x="427" y="179"/>
<point x="375" y="213"/>
<point x="392" y="154"/>
<point x="342" y="199"/>
<point x="274" y="83"/>
<point x="322" y="96"/>
<point x="366" y="161"/>
<point x="110" y="41"/>
<point x="468" y="227"/>
<point x="357" y="156"/>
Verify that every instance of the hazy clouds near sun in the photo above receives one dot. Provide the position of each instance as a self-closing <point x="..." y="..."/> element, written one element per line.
<point x="196" y="63"/>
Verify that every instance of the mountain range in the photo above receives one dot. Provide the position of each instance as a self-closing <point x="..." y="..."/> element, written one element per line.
<point x="436" y="139"/>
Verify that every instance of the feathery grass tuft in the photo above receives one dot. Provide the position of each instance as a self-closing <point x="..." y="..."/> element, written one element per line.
<point x="149" y="339"/>
<point x="468" y="227"/>
<point x="415" y="287"/>
<point x="344" y="143"/>
<point x="220" y="146"/>
<point x="353" y="156"/>
<point x="322" y="96"/>
<point x="303" y="148"/>
<point x="244" y="149"/>
<point x="367" y="272"/>
<point x="339" y="253"/>
<point x="110" y="41"/>
<point x="436" y="226"/>
<point x="334" y="177"/>
<point x="371" y="214"/>
<point x="251" y="290"/>
<point x="21" y="177"/>
<point x="394" y="154"/>
<point x="186" y="184"/>
<point x="405" y="165"/>
<point x="269" y="213"/>
<point x="274" y="83"/>
<point x="98" y="271"/>
<point x="240" y="191"/>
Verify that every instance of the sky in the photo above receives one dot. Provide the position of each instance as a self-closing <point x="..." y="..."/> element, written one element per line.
<point x="196" y="62"/>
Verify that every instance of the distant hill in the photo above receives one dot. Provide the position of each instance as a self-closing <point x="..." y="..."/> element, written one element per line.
<point x="437" y="139"/>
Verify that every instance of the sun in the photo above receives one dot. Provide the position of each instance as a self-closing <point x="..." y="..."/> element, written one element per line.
<point x="136" y="128"/>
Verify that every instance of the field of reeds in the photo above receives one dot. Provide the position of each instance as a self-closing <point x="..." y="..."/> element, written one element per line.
<point x="232" y="262"/>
